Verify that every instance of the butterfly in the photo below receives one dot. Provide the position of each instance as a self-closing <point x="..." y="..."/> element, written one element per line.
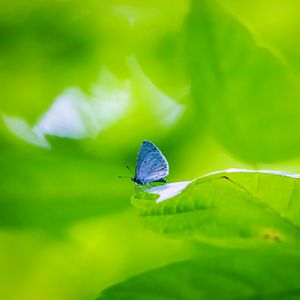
<point x="151" y="165"/>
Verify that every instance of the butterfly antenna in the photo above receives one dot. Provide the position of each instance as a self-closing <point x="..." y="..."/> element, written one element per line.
<point x="126" y="176"/>
<point x="129" y="170"/>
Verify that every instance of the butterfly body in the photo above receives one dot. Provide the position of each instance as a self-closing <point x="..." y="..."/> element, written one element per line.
<point x="151" y="165"/>
<point x="143" y="182"/>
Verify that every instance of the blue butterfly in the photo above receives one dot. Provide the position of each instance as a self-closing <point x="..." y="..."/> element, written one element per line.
<point x="151" y="165"/>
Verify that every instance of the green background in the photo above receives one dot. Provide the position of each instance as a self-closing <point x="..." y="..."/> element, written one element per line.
<point x="214" y="85"/>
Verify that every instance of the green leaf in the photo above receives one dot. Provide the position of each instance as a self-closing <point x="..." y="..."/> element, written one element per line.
<point x="228" y="208"/>
<point x="249" y="94"/>
<point x="219" y="275"/>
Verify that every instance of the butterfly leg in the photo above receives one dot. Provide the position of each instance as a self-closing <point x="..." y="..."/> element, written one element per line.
<point x="148" y="186"/>
<point x="137" y="188"/>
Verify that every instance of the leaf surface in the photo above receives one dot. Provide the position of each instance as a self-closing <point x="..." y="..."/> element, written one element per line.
<point x="218" y="275"/>
<point x="229" y="208"/>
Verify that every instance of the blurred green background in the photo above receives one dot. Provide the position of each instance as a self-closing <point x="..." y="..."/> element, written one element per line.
<point x="214" y="85"/>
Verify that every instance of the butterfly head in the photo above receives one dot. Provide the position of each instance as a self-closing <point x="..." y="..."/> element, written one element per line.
<point x="137" y="180"/>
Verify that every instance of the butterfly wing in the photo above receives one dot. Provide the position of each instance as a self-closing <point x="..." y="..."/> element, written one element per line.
<point x="151" y="163"/>
<point x="146" y="148"/>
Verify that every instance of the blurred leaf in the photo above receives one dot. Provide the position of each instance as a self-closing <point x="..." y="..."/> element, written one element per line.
<point x="75" y="115"/>
<point x="163" y="108"/>
<point x="52" y="190"/>
<point x="230" y="209"/>
<point x="219" y="275"/>
<point x="276" y="22"/>
<point x="250" y="96"/>
<point x="114" y="108"/>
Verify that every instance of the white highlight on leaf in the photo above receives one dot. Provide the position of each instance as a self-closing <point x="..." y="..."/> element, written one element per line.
<point x="75" y="114"/>
<point x="65" y="117"/>
<point x="273" y="172"/>
<point x="24" y="131"/>
<point x="168" y="190"/>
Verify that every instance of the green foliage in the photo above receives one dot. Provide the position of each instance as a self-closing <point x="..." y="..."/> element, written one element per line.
<point x="214" y="84"/>
<point x="249" y="94"/>
<point x="219" y="274"/>
<point x="238" y="208"/>
<point x="252" y="216"/>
